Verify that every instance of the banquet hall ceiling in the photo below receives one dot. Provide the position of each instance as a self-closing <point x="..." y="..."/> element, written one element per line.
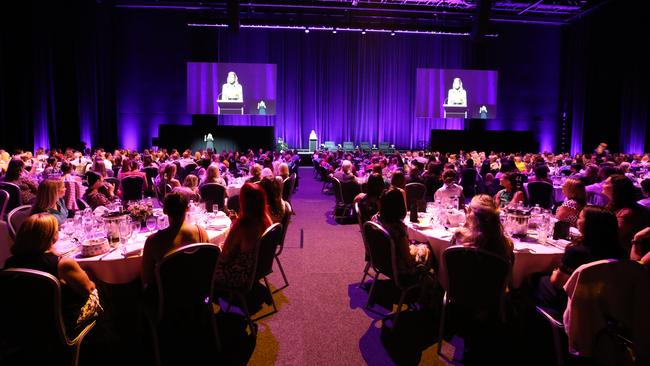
<point x="443" y="15"/>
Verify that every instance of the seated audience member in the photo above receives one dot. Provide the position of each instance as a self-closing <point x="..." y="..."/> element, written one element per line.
<point x="433" y="179"/>
<point x="509" y="195"/>
<point x="449" y="189"/>
<point x="398" y="180"/>
<point x="99" y="193"/>
<point x="33" y="249"/>
<point x="130" y="168"/>
<point x="213" y="175"/>
<point x="392" y="211"/>
<point x="575" y="200"/>
<point x="641" y="247"/>
<point x="369" y="202"/>
<point x="604" y="172"/>
<point x="492" y="186"/>
<point x="631" y="216"/>
<point x="345" y="174"/>
<point x="277" y="207"/>
<point x="483" y="229"/>
<point x="72" y="185"/>
<point x="177" y="234"/>
<point x="599" y="240"/>
<point x="236" y="259"/>
<point x="49" y="199"/>
<point x="283" y="171"/>
<point x="256" y="174"/>
<point x="190" y="188"/>
<point x="541" y="175"/>
<point x="16" y="175"/>
<point x="168" y="178"/>
<point x="645" y="187"/>
<point x="50" y="168"/>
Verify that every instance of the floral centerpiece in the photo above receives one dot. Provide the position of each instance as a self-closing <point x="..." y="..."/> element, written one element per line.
<point x="139" y="211"/>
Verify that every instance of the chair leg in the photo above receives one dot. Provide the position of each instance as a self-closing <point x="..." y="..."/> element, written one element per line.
<point x="284" y="276"/>
<point x="559" y="354"/>
<point x="215" y="330"/>
<point x="441" y="329"/>
<point x="399" y="307"/>
<point x="365" y="274"/>
<point x="372" y="289"/>
<point x="268" y="288"/>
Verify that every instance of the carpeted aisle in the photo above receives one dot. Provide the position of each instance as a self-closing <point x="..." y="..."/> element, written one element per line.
<point x="321" y="320"/>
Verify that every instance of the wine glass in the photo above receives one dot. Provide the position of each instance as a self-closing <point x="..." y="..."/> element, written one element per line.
<point x="68" y="228"/>
<point x="135" y="229"/>
<point x="151" y="223"/>
<point x="125" y="234"/>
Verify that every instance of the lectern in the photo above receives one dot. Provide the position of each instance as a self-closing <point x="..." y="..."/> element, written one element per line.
<point x="230" y="107"/>
<point x="455" y="111"/>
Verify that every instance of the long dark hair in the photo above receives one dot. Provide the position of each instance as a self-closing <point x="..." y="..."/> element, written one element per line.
<point x="392" y="207"/>
<point x="14" y="169"/>
<point x="600" y="233"/>
<point x="252" y="203"/>
<point x="623" y="193"/>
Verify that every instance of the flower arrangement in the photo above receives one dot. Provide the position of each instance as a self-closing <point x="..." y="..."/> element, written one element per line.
<point x="139" y="211"/>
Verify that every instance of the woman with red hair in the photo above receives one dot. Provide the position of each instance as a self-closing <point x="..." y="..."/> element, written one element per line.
<point x="237" y="257"/>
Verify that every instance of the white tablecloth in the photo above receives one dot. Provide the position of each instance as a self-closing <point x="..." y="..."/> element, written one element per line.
<point x="530" y="256"/>
<point x="114" y="268"/>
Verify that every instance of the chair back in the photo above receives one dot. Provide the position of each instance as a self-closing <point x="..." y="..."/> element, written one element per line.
<point x="132" y="188"/>
<point x="213" y="193"/>
<point x="112" y="180"/>
<point x="30" y="310"/>
<point x="184" y="280"/>
<point x="189" y="169"/>
<point x="233" y="203"/>
<point x="4" y="200"/>
<point x="14" y="195"/>
<point x="151" y="172"/>
<point x="608" y="296"/>
<point x="287" y="187"/>
<point x="540" y="193"/>
<point x="81" y="204"/>
<point x="381" y="248"/>
<point x="16" y="217"/>
<point x="477" y="278"/>
<point x="468" y="182"/>
<point x="415" y="194"/>
<point x="349" y="190"/>
<point x="338" y="193"/>
<point x="268" y="244"/>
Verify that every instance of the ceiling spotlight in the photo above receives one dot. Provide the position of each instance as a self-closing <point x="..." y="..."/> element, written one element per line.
<point x="355" y="2"/>
<point x="363" y="31"/>
<point x="334" y="31"/>
<point x="392" y="33"/>
<point x="306" y="30"/>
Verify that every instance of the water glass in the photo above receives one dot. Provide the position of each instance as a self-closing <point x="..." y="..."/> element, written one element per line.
<point x="215" y="208"/>
<point x="162" y="222"/>
<point x="151" y="223"/>
<point x="125" y="234"/>
<point x="135" y="229"/>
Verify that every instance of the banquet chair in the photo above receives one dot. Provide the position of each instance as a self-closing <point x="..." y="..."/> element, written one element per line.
<point x="366" y="255"/>
<point x="33" y="331"/>
<point x="151" y="172"/>
<point x="233" y="203"/>
<point x="184" y="320"/>
<point x="287" y="187"/>
<point x="540" y="193"/>
<point x="82" y="204"/>
<point x="326" y="178"/>
<point x="14" y="195"/>
<point x="4" y="200"/>
<point x="364" y="146"/>
<point x="606" y="318"/>
<point x="415" y="194"/>
<point x="286" y="219"/>
<point x="112" y="180"/>
<point x="383" y="259"/>
<point x="189" y="169"/>
<point x="344" y="194"/>
<point x="16" y="217"/>
<point x="132" y="188"/>
<point x="264" y="254"/>
<point x="213" y="193"/>
<point x="477" y="283"/>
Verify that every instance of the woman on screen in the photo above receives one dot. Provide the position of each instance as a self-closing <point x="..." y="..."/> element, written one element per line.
<point x="232" y="90"/>
<point x="457" y="95"/>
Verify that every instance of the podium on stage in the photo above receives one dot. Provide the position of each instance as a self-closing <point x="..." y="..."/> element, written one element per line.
<point x="230" y="107"/>
<point x="455" y="111"/>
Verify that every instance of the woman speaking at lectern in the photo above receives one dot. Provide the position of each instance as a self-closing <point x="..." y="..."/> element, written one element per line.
<point x="457" y="95"/>
<point x="232" y="90"/>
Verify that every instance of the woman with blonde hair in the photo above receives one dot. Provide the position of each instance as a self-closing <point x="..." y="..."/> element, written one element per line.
<point x="33" y="249"/>
<point x="575" y="201"/>
<point x="483" y="228"/>
<point x="213" y="175"/>
<point x="49" y="199"/>
<point x="190" y="188"/>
